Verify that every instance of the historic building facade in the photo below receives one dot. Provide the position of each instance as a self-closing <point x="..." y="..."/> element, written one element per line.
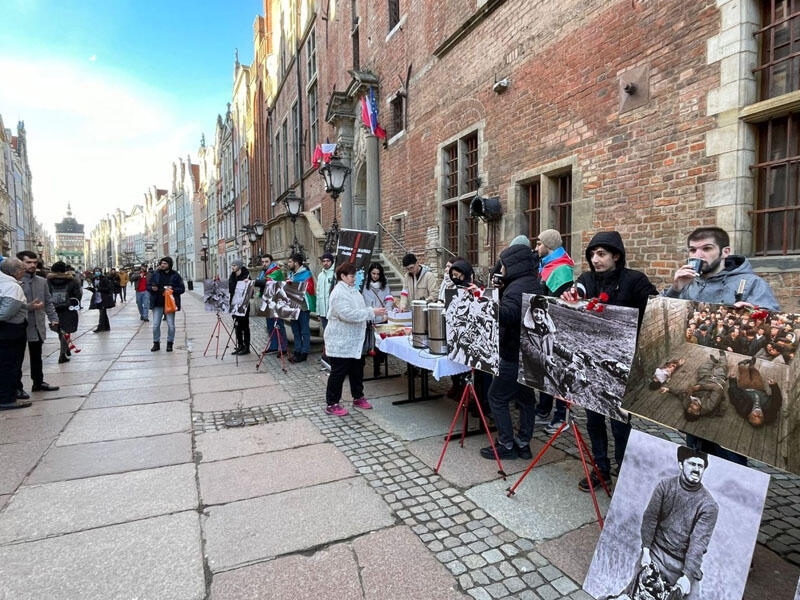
<point x="69" y="244"/>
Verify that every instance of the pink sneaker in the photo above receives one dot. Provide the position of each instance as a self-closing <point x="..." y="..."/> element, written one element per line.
<point x="336" y="409"/>
<point x="362" y="403"/>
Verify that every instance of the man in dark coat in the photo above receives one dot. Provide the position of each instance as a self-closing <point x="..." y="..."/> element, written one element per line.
<point x="747" y="394"/>
<point x="65" y="292"/>
<point x="624" y="287"/>
<point x="518" y="275"/>
<point x="162" y="279"/>
<point x="241" y="325"/>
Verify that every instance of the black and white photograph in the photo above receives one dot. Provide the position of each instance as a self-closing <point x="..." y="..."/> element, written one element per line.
<point x="679" y="519"/>
<point x="728" y="391"/>
<point x="578" y="352"/>
<point x="241" y="297"/>
<point x="283" y="299"/>
<point x="215" y="296"/>
<point x="473" y="336"/>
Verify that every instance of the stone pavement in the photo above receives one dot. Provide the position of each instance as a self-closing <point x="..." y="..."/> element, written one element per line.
<point x="134" y="481"/>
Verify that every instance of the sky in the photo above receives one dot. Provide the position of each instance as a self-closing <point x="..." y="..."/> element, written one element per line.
<point x="112" y="92"/>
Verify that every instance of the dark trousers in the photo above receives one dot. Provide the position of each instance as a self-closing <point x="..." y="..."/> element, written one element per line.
<point x="353" y="369"/>
<point x="504" y="390"/>
<point x="64" y="344"/>
<point x="546" y="405"/>
<point x="596" y="428"/>
<point x="241" y="326"/>
<point x="12" y="353"/>
<point x="35" y="358"/>
<point x="103" y="323"/>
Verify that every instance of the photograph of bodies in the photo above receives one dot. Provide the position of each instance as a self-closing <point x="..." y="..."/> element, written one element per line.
<point x="241" y="298"/>
<point x="215" y="296"/>
<point x="472" y="330"/>
<point x="577" y="353"/>
<point x="710" y="370"/>
<point x="283" y="299"/>
<point x="678" y="519"/>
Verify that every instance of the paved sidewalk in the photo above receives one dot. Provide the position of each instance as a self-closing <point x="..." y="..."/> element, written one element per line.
<point x="135" y="480"/>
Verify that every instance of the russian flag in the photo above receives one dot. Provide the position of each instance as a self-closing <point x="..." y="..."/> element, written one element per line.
<point x="369" y="114"/>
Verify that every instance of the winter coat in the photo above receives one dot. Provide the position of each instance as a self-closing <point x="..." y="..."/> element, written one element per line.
<point x="160" y="279"/>
<point x="521" y="277"/>
<point x="13" y="309"/>
<point x="63" y="286"/>
<point x="325" y="281"/>
<point x="422" y="287"/>
<point x="36" y="287"/>
<point x="103" y="285"/>
<point x="721" y="287"/>
<point x="347" y="318"/>
<point x="625" y="287"/>
<point x="375" y="297"/>
<point x="116" y="282"/>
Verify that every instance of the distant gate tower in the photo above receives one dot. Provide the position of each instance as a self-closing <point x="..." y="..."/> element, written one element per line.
<point x="70" y="242"/>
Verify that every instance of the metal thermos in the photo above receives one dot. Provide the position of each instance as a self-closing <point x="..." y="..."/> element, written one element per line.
<point x="437" y="339"/>
<point x="419" y="324"/>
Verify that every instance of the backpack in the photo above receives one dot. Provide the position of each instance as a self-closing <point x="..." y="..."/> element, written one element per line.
<point x="60" y="298"/>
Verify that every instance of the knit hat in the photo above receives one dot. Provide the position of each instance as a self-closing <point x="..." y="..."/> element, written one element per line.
<point x="237" y="263"/>
<point x="538" y="301"/>
<point x="327" y="255"/>
<point x="551" y="238"/>
<point x="58" y="267"/>
<point x="521" y="240"/>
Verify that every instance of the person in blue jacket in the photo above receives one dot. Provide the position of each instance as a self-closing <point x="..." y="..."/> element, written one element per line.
<point x="163" y="278"/>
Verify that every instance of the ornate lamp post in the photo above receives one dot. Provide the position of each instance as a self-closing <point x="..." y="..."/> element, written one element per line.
<point x="334" y="173"/>
<point x="204" y="254"/>
<point x="39" y="249"/>
<point x="294" y="206"/>
<point x="252" y="233"/>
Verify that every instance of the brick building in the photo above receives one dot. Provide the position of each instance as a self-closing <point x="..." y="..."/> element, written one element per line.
<point x="647" y="117"/>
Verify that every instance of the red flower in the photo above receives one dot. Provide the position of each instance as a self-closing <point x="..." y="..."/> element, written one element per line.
<point x="603" y="297"/>
<point x="600" y="308"/>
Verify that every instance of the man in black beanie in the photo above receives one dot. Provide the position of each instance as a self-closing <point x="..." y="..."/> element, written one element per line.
<point x="164" y="278"/>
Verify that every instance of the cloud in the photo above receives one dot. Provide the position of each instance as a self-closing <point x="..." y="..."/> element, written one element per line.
<point x="96" y="138"/>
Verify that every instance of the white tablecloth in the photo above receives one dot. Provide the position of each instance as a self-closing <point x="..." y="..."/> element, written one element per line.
<point x="400" y="346"/>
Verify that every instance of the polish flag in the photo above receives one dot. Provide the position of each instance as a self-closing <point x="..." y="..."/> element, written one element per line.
<point x="322" y="154"/>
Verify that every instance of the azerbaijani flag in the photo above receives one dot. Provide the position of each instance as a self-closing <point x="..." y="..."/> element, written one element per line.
<point x="369" y="114"/>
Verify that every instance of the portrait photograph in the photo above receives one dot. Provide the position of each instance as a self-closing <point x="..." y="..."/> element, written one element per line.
<point x="678" y="519"/>
<point x="709" y="370"/>
<point x="215" y="296"/>
<point x="283" y="299"/>
<point x="472" y="329"/>
<point x="241" y="297"/>
<point x="577" y="352"/>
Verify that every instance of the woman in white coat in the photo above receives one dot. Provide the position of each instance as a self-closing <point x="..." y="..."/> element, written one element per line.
<point x="344" y="339"/>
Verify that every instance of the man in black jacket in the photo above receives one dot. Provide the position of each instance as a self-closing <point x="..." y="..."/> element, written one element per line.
<point x="624" y="287"/>
<point x="518" y="271"/>
<point x="241" y="325"/>
<point x="162" y="279"/>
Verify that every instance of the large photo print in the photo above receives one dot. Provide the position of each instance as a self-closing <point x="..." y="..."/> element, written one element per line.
<point x="472" y="328"/>
<point x="678" y="519"/>
<point x="578" y="352"/>
<point x="216" y="297"/>
<point x="283" y="299"/>
<point x="722" y="373"/>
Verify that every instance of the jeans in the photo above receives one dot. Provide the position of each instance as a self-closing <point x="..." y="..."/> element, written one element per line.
<point x="596" y="428"/>
<point x="35" y="359"/>
<point x="103" y="324"/>
<point x="158" y="313"/>
<point x="505" y="390"/>
<point x="546" y="405"/>
<point x="301" y="329"/>
<point x="12" y="352"/>
<point x="143" y="303"/>
<point x="353" y="369"/>
<point x="272" y="325"/>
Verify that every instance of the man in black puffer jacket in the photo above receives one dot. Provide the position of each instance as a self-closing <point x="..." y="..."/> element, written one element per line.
<point x="624" y="287"/>
<point x="519" y="275"/>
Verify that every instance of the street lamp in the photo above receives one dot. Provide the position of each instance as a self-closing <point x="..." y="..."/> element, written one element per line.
<point x="294" y="206"/>
<point x="39" y="248"/>
<point x="204" y="254"/>
<point x="334" y="173"/>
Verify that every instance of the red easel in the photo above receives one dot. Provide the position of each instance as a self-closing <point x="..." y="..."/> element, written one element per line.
<point x="276" y="335"/>
<point x="583" y="450"/>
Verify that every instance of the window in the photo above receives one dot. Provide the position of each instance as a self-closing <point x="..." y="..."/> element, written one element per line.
<point x="313" y="119"/>
<point x="776" y="210"/>
<point x="394" y="13"/>
<point x="311" y="55"/>
<point x="533" y="212"/>
<point x="276" y="161"/>
<point x="297" y="140"/>
<point x="397" y="116"/>
<point x="354" y="34"/>
<point x="460" y="164"/>
<point x="285" y="154"/>
<point x="561" y="206"/>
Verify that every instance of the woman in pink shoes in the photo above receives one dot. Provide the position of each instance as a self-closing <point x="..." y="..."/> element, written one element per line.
<point x="344" y="340"/>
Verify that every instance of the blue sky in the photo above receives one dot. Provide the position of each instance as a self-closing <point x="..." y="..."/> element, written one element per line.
<point x="113" y="91"/>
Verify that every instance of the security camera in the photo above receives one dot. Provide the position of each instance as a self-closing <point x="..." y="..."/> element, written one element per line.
<point x="501" y="86"/>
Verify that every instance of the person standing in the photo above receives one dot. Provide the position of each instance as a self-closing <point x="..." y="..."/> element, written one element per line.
<point x="377" y="294"/>
<point x="344" y="339"/>
<point x="271" y="271"/>
<point x="556" y="274"/>
<point x="718" y="277"/>
<point x="241" y="325"/>
<point x="13" y="325"/>
<point x="419" y="283"/>
<point x="325" y="281"/>
<point x="123" y="283"/>
<point x="139" y="281"/>
<point x="301" y="326"/>
<point x="517" y="276"/>
<point x="624" y="287"/>
<point x="162" y="279"/>
<point x="102" y="299"/>
<point x="116" y="284"/>
<point x="37" y="294"/>
<point x="64" y="289"/>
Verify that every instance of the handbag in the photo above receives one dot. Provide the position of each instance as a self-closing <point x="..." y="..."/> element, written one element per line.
<point x="369" y="340"/>
<point x="169" y="302"/>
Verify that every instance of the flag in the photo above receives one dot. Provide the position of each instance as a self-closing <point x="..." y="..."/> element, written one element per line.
<point x="322" y="154"/>
<point x="369" y="114"/>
